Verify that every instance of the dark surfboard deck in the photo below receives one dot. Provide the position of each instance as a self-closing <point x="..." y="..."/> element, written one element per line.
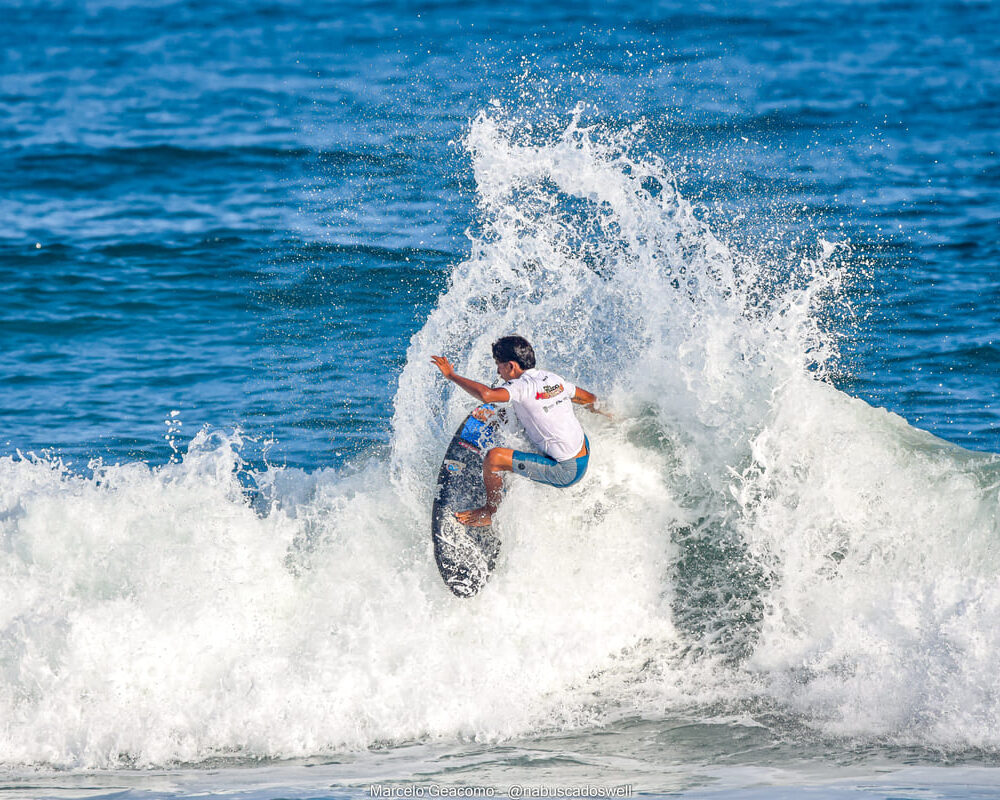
<point x="465" y="556"/>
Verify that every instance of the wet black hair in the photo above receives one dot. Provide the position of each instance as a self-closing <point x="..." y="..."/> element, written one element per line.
<point x="514" y="348"/>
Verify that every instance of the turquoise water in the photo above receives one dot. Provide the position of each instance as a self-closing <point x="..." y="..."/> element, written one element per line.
<point x="234" y="235"/>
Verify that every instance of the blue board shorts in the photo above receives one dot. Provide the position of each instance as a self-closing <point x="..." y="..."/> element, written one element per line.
<point x="543" y="469"/>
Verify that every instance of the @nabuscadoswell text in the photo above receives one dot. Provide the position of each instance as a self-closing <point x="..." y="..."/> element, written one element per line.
<point x="513" y="791"/>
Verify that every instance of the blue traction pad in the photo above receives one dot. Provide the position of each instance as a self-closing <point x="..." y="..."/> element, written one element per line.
<point x="481" y="434"/>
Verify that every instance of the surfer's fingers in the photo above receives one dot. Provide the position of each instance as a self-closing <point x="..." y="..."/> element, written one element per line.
<point x="442" y="364"/>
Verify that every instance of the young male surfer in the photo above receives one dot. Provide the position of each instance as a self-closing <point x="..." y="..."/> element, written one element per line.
<point x="543" y="403"/>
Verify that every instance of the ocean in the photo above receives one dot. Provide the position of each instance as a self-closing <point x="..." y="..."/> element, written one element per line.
<point x="764" y="234"/>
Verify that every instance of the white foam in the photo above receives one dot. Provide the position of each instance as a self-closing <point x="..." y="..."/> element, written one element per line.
<point x="150" y="615"/>
<point x="883" y="541"/>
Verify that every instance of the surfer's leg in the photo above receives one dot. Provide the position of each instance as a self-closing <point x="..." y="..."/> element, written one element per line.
<point x="543" y="469"/>
<point x="497" y="460"/>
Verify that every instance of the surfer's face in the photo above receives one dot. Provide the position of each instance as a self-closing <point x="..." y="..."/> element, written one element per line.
<point x="505" y="369"/>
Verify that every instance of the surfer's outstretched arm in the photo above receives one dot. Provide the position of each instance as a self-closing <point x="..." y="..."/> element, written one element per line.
<point x="475" y="388"/>
<point x="589" y="401"/>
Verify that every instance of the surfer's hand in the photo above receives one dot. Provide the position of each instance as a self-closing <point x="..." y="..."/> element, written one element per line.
<point x="444" y="365"/>
<point x="597" y="408"/>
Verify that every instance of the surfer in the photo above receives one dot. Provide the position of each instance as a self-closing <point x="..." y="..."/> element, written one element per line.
<point x="543" y="403"/>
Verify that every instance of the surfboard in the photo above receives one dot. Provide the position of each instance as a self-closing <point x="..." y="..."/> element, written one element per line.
<point x="465" y="556"/>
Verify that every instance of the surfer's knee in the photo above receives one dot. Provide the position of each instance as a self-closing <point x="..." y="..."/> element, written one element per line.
<point x="497" y="459"/>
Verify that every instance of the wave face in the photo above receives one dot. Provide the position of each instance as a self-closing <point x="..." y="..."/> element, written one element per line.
<point x="748" y="538"/>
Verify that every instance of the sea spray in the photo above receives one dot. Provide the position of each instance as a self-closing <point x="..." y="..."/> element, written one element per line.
<point x="722" y="362"/>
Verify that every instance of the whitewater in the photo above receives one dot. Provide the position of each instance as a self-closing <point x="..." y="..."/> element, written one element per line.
<point x="749" y="541"/>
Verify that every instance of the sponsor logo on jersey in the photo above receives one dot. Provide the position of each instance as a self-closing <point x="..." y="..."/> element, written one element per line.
<point x="548" y="392"/>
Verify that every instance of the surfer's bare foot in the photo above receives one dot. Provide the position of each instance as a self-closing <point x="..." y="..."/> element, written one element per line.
<point x="476" y="517"/>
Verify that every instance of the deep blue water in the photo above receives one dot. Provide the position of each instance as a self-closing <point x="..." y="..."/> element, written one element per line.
<point x="237" y="217"/>
<point x="244" y="211"/>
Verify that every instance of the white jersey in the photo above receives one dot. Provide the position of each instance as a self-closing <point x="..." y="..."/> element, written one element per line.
<point x="543" y="403"/>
